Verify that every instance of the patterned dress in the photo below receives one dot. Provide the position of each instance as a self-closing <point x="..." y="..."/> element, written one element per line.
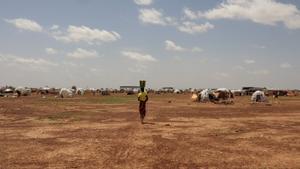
<point x="143" y="98"/>
<point x="142" y="109"/>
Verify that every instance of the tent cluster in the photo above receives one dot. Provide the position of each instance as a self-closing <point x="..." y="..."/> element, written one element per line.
<point x="223" y="95"/>
<point x="9" y="91"/>
<point x="15" y="92"/>
<point x="67" y="93"/>
<point x="23" y="91"/>
<point x="220" y="95"/>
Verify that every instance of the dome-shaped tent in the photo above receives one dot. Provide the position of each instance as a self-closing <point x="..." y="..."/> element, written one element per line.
<point x="80" y="91"/>
<point x="64" y="92"/>
<point x="259" y="96"/>
<point x="206" y="95"/>
<point x="223" y="93"/>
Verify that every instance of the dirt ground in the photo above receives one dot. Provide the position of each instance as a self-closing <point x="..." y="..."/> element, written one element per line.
<point x="105" y="132"/>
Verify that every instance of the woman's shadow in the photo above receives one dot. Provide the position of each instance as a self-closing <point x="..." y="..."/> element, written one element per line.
<point x="148" y="123"/>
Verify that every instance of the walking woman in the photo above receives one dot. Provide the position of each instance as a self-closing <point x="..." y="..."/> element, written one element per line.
<point x="142" y="98"/>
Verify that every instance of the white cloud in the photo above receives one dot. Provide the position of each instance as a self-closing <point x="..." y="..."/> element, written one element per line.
<point x="238" y="67"/>
<point x="86" y="34"/>
<point x="25" y="24"/>
<point x="153" y="16"/>
<point x="141" y="57"/>
<point x="262" y="47"/>
<point x="171" y="46"/>
<point x="51" y="51"/>
<point x="80" y="53"/>
<point x="190" y="14"/>
<point x="17" y="60"/>
<point x="268" y="12"/>
<point x="192" y="28"/>
<point x="138" y="68"/>
<point x="221" y="75"/>
<point x="285" y="65"/>
<point x="54" y="27"/>
<point x="94" y="70"/>
<point x="248" y="61"/>
<point x="259" y="72"/>
<point x="143" y="2"/>
<point x="197" y="49"/>
<point x="70" y="64"/>
<point x="33" y="61"/>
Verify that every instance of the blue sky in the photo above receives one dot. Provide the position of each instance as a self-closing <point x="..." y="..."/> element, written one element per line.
<point x="180" y="43"/>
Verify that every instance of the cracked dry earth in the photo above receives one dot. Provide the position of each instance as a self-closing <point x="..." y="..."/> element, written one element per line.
<point x="84" y="132"/>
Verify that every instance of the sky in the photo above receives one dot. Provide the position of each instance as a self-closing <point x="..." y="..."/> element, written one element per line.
<point x="179" y="43"/>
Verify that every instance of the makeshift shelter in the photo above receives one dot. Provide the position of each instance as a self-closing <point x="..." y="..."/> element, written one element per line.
<point x="8" y="90"/>
<point x="177" y="91"/>
<point x="237" y="92"/>
<point x="80" y="91"/>
<point x="223" y="94"/>
<point x="93" y="91"/>
<point x="130" y="90"/>
<point x="43" y="90"/>
<point x="167" y="90"/>
<point x="22" y="91"/>
<point x="65" y="93"/>
<point x="259" y="96"/>
<point x="206" y="95"/>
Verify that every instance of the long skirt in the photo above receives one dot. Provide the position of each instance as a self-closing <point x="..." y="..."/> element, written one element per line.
<point x="142" y="109"/>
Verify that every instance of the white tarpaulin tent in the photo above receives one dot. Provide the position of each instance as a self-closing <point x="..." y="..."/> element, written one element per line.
<point x="204" y="95"/>
<point x="80" y="91"/>
<point x="22" y="91"/>
<point x="223" y="93"/>
<point x="64" y="92"/>
<point x="177" y="91"/>
<point x="8" y="90"/>
<point x="223" y="90"/>
<point x="258" y="96"/>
